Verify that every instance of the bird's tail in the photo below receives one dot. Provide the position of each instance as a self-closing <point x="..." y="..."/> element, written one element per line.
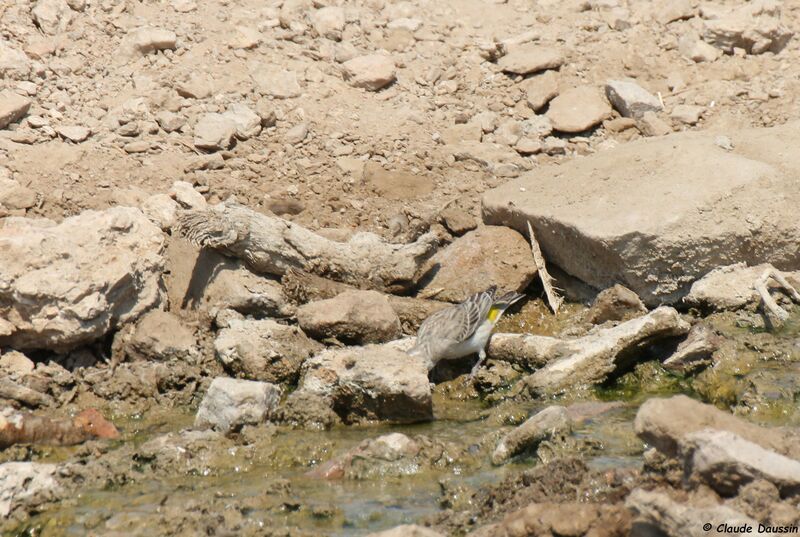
<point x="507" y="299"/>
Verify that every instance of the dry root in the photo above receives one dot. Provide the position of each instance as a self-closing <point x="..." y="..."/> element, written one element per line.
<point x="769" y="303"/>
<point x="272" y="245"/>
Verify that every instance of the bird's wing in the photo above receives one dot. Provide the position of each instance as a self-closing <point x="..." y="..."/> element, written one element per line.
<point x="457" y="323"/>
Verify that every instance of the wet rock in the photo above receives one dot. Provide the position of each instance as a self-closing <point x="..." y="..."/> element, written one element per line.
<point x="697" y="50"/>
<point x="592" y="358"/>
<point x="657" y="510"/>
<point x="568" y="518"/>
<point x="275" y="82"/>
<point x="630" y="99"/>
<point x="187" y="452"/>
<point x="353" y="316"/>
<point x="68" y="284"/>
<point x="52" y="16"/>
<point x="375" y="382"/>
<point x="26" y="485"/>
<point x="541" y="89"/>
<point x="490" y="255"/>
<point x="247" y="122"/>
<point x="307" y="410"/>
<point x="407" y="530"/>
<point x="230" y="404"/>
<point x="550" y="422"/>
<point x="730" y="287"/>
<point x="396" y="184"/>
<point x="664" y="423"/>
<point x="13" y="107"/>
<point x="329" y="22"/>
<point x="641" y="240"/>
<point x="74" y="133"/>
<point x="578" y="109"/>
<point x="616" y="303"/>
<point x="214" y="132"/>
<point x="496" y="159"/>
<point x="15" y="196"/>
<point x="234" y="287"/>
<point x="264" y="350"/>
<point x="530" y="58"/>
<point x="727" y="461"/>
<point x="695" y="352"/>
<point x="755" y="27"/>
<point x="687" y="114"/>
<point x="371" y="72"/>
<point x="162" y="336"/>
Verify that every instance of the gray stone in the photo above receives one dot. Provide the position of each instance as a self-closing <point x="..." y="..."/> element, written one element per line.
<point x="665" y="423"/>
<point x="474" y="261"/>
<point x="26" y="485"/>
<point x="69" y="284"/>
<point x="630" y="99"/>
<point x="578" y="109"/>
<point x="371" y="72"/>
<point x="530" y="58"/>
<point x="264" y="350"/>
<point x="13" y="107"/>
<point x="592" y="358"/>
<point x="214" y="132"/>
<point x="353" y="317"/>
<point x="375" y="382"/>
<point x="725" y="207"/>
<point x="727" y="462"/>
<point x="545" y="424"/>
<point x="230" y="404"/>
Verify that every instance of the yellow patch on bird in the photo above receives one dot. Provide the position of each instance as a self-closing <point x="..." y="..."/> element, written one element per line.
<point x="494" y="313"/>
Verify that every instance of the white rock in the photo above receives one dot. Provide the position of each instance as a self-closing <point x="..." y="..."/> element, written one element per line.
<point x="729" y="287"/>
<point x="186" y="196"/>
<point x="371" y="72"/>
<point x="214" y="132"/>
<point x="68" y="284"/>
<point x="630" y="99"/>
<point x="230" y="404"/>
<point x="161" y="210"/>
<point x="248" y="123"/>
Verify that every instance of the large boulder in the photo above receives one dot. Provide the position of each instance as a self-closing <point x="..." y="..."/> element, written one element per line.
<point x="68" y="284"/>
<point x="658" y="214"/>
<point x="490" y="255"/>
<point x="374" y="382"/>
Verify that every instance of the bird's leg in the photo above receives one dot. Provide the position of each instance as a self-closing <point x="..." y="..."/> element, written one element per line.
<point x="481" y="358"/>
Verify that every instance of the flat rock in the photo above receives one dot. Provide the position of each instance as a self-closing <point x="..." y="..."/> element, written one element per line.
<point x="602" y="219"/>
<point x="545" y="424"/>
<point x="234" y="287"/>
<point x="530" y="58"/>
<point x="489" y="255"/>
<point x="578" y="109"/>
<point x="727" y="462"/>
<point x="264" y="350"/>
<point x="353" y="316"/>
<point x="649" y="124"/>
<point x="540" y="89"/>
<point x="230" y="404"/>
<point x="496" y="159"/>
<point x="592" y="358"/>
<point x="275" y="81"/>
<point x="755" y="27"/>
<point x="160" y="335"/>
<point x="214" y="132"/>
<point x="616" y="303"/>
<point x="74" y="133"/>
<point x="375" y="382"/>
<point x="396" y="184"/>
<point x="731" y="287"/>
<point x="13" y="107"/>
<point x="69" y="284"/>
<point x="26" y="485"/>
<point x="630" y="99"/>
<point x="657" y="510"/>
<point x="371" y="72"/>
<point x="664" y="424"/>
<point x="196" y="86"/>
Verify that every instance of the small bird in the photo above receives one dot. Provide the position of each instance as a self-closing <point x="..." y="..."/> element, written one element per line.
<point x="462" y="329"/>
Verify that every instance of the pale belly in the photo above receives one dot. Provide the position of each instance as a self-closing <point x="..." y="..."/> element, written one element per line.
<point x="472" y="345"/>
